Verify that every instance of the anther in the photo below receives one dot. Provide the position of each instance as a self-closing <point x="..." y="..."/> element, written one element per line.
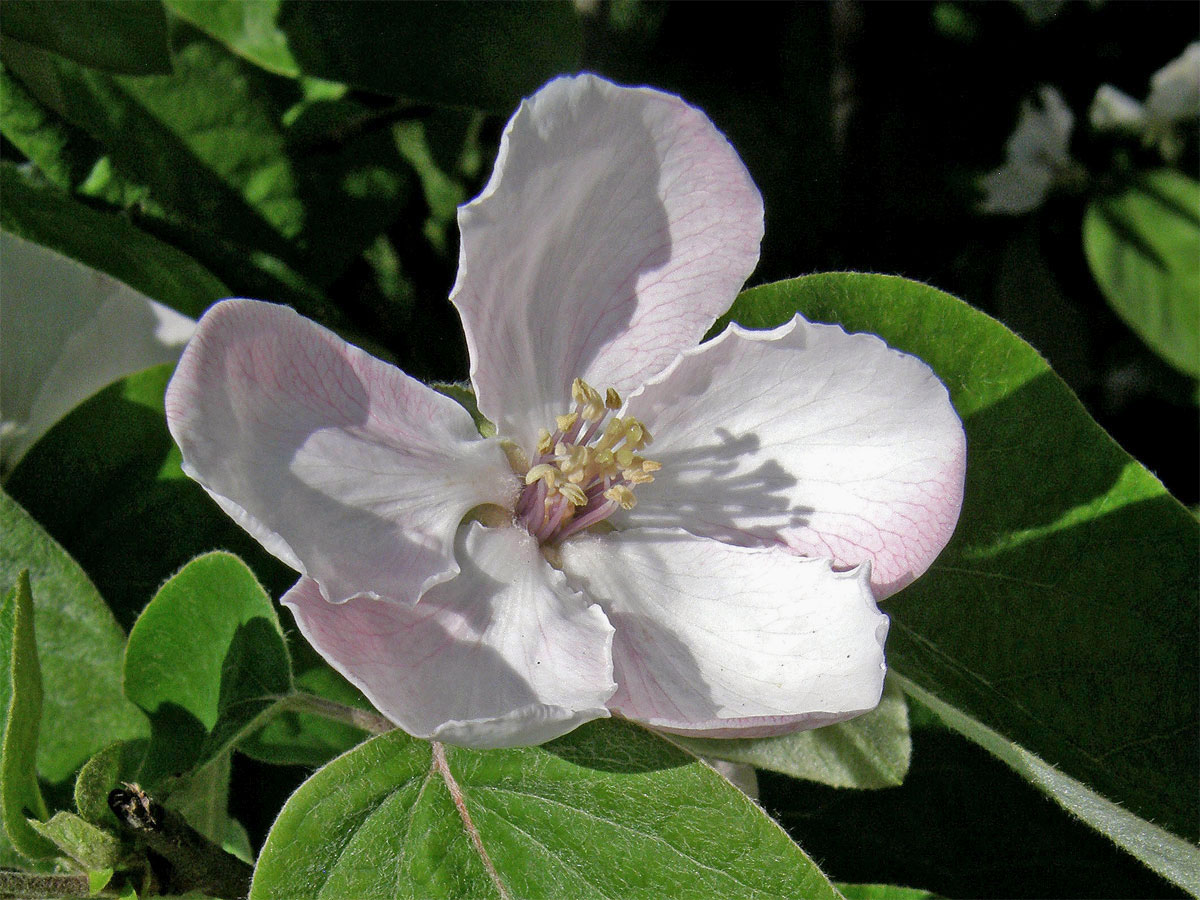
<point x="622" y="496"/>
<point x="574" y="493"/>
<point x="612" y="399"/>
<point x="546" y="471"/>
<point x="564" y="423"/>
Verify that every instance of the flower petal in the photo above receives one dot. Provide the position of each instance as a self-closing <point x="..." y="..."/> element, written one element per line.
<point x="618" y="224"/>
<point x="727" y="641"/>
<point x="833" y="444"/>
<point x="504" y="654"/>
<point x="339" y="464"/>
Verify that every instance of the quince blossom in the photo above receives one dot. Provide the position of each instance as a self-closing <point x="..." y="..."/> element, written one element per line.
<point x="693" y="537"/>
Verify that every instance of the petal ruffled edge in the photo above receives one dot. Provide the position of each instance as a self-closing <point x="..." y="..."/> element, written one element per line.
<point x="833" y="444"/>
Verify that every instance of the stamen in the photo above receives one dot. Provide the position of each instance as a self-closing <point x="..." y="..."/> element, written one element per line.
<point x="585" y="470"/>
<point x="622" y="496"/>
<point x="574" y="493"/>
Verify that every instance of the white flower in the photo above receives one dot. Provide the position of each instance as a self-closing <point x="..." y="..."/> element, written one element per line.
<point x="1037" y="156"/>
<point x="69" y="331"/>
<point x="500" y="591"/>
<point x="1174" y="98"/>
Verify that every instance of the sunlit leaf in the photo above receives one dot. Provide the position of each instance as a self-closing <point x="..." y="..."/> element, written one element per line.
<point x="608" y="811"/>
<point x="205" y="658"/>
<point x="79" y="644"/>
<point x="21" y="708"/>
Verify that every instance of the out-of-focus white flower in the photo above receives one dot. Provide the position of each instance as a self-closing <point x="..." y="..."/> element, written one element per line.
<point x="1037" y="156"/>
<point x="1174" y="98"/>
<point x="66" y="331"/>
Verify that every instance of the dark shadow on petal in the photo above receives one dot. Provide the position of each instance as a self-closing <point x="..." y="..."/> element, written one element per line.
<point x="713" y="472"/>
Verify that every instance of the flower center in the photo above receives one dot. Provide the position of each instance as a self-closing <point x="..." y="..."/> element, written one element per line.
<point x="586" y="469"/>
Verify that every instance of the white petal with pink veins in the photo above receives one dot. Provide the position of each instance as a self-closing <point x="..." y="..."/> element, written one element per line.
<point x="831" y="443"/>
<point x="618" y="224"/>
<point x="504" y="654"/>
<point x="725" y="641"/>
<point x="339" y="464"/>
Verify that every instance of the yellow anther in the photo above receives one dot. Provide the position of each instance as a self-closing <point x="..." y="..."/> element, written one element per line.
<point x="622" y="496"/>
<point x="546" y="471"/>
<point x="624" y="457"/>
<point x="544" y="444"/>
<point x="637" y="476"/>
<point x="574" y="493"/>
<point x="564" y="423"/>
<point x="579" y="389"/>
<point x="650" y="465"/>
<point x="612" y="399"/>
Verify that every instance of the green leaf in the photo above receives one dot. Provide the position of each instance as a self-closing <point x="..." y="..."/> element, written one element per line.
<point x="248" y="29"/>
<point x="66" y="156"/>
<point x="296" y="738"/>
<point x="1173" y="858"/>
<point x="118" y="762"/>
<point x="883" y="892"/>
<point x="230" y="150"/>
<point x="106" y="242"/>
<point x="204" y="804"/>
<point x="91" y="847"/>
<point x="112" y="460"/>
<point x="871" y="751"/>
<point x="205" y="659"/>
<point x="607" y="811"/>
<point x="21" y="705"/>
<point x="1143" y="247"/>
<point x="465" y="397"/>
<point x="98" y="880"/>
<point x="485" y="55"/>
<point x="130" y="36"/>
<point x="1062" y="613"/>
<point x="79" y="646"/>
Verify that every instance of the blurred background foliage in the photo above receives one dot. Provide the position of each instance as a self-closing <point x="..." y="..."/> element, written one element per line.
<point x="315" y="159"/>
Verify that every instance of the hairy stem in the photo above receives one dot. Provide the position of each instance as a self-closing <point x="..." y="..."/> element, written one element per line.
<point x="338" y="712"/>
<point x="28" y="884"/>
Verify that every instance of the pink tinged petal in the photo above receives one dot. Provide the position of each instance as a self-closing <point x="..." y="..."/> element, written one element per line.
<point x="618" y="224"/>
<point x="342" y="466"/>
<point x="505" y="654"/>
<point x="831" y="443"/>
<point x="725" y="641"/>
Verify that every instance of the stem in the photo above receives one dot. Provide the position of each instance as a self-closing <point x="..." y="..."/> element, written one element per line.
<point x="27" y="884"/>
<point x="338" y="712"/>
<point x="196" y="863"/>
